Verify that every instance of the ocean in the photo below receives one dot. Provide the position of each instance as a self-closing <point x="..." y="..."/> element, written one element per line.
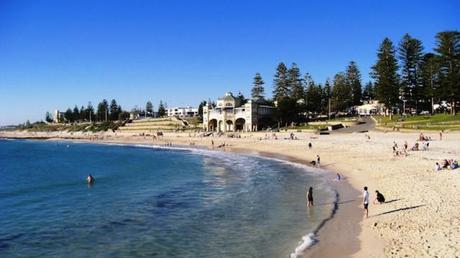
<point x="152" y="202"/>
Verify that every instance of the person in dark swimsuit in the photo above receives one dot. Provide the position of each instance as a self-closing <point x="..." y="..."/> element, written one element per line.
<point x="310" y="196"/>
<point x="90" y="179"/>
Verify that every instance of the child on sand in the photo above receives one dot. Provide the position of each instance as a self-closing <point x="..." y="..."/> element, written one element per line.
<point x="380" y="198"/>
<point x="437" y="167"/>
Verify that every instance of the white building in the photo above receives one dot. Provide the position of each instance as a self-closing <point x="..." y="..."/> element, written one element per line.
<point x="230" y="116"/>
<point x="58" y="117"/>
<point x="372" y="107"/>
<point x="182" y="112"/>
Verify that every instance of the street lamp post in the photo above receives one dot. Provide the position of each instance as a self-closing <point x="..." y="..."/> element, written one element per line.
<point x="404" y="106"/>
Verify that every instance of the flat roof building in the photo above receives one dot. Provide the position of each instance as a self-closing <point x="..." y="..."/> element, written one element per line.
<point x="182" y="112"/>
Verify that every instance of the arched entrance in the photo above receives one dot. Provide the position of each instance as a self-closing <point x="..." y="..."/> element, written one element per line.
<point x="221" y="126"/>
<point x="212" y="125"/>
<point x="239" y="124"/>
<point x="229" y="126"/>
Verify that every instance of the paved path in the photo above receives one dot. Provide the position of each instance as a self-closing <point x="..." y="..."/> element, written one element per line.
<point x="368" y="125"/>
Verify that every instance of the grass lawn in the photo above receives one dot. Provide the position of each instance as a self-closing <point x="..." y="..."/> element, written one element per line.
<point x="421" y="122"/>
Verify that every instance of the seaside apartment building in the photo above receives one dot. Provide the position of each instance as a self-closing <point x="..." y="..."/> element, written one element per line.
<point x="182" y="112"/>
<point x="58" y="117"/>
<point x="229" y="115"/>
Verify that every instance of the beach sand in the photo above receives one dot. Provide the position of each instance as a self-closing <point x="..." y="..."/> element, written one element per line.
<point x="420" y="219"/>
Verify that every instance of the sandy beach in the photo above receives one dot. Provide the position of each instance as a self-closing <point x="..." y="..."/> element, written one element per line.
<point x="420" y="219"/>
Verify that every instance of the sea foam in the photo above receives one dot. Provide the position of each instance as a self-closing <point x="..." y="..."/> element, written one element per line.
<point x="307" y="241"/>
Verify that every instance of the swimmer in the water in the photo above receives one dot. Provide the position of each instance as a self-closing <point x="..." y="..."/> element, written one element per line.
<point x="90" y="179"/>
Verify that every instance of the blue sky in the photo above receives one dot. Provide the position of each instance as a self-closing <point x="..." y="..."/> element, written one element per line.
<point x="55" y="54"/>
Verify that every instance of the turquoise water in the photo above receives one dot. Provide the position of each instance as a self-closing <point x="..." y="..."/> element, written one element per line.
<point x="150" y="202"/>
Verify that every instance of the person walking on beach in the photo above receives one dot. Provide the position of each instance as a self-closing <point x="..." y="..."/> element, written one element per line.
<point x="440" y="135"/>
<point x="310" y="197"/>
<point x="317" y="160"/>
<point x="309" y="145"/>
<point x="366" y="202"/>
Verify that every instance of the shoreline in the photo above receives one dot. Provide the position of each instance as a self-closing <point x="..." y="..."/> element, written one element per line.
<point x="308" y="246"/>
<point x="420" y="218"/>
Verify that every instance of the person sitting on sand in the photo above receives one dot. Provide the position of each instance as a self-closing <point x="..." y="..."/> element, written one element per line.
<point x="445" y="164"/>
<point x="310" y="197"/>
<point x="90" y="179"/>
<point x="437" y="167"/>
<point x="380" y="198"/>
<point x="421" y="137"/>
<point x="454" y="164"/>
<point x="415" y="147"/>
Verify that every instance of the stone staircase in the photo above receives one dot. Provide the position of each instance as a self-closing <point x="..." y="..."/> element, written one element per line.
<point x="151" y="125"/>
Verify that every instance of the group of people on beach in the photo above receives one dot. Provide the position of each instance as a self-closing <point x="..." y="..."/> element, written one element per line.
<point x="379" y="198"/>
<point x="317" y="162"/>
<point x="292" y="136"/>
<point x="448" y="164"/>
<point x="423" y="141"/>
<point x="267" y="137"/>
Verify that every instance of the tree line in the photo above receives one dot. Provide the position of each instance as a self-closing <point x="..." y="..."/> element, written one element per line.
<point x="420" y="79"/>
<point x="405" y="79"/>
<point x="106" y="112"/>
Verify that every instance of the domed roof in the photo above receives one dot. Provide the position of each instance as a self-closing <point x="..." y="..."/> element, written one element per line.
<point x="228" y="97"/>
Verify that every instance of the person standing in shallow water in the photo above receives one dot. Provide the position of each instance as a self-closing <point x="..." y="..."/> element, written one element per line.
<point x="310" y="197"/>
<point x="90" y="179"/>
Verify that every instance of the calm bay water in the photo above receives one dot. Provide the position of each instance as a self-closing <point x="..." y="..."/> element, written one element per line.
<point x="150" y="202"/>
